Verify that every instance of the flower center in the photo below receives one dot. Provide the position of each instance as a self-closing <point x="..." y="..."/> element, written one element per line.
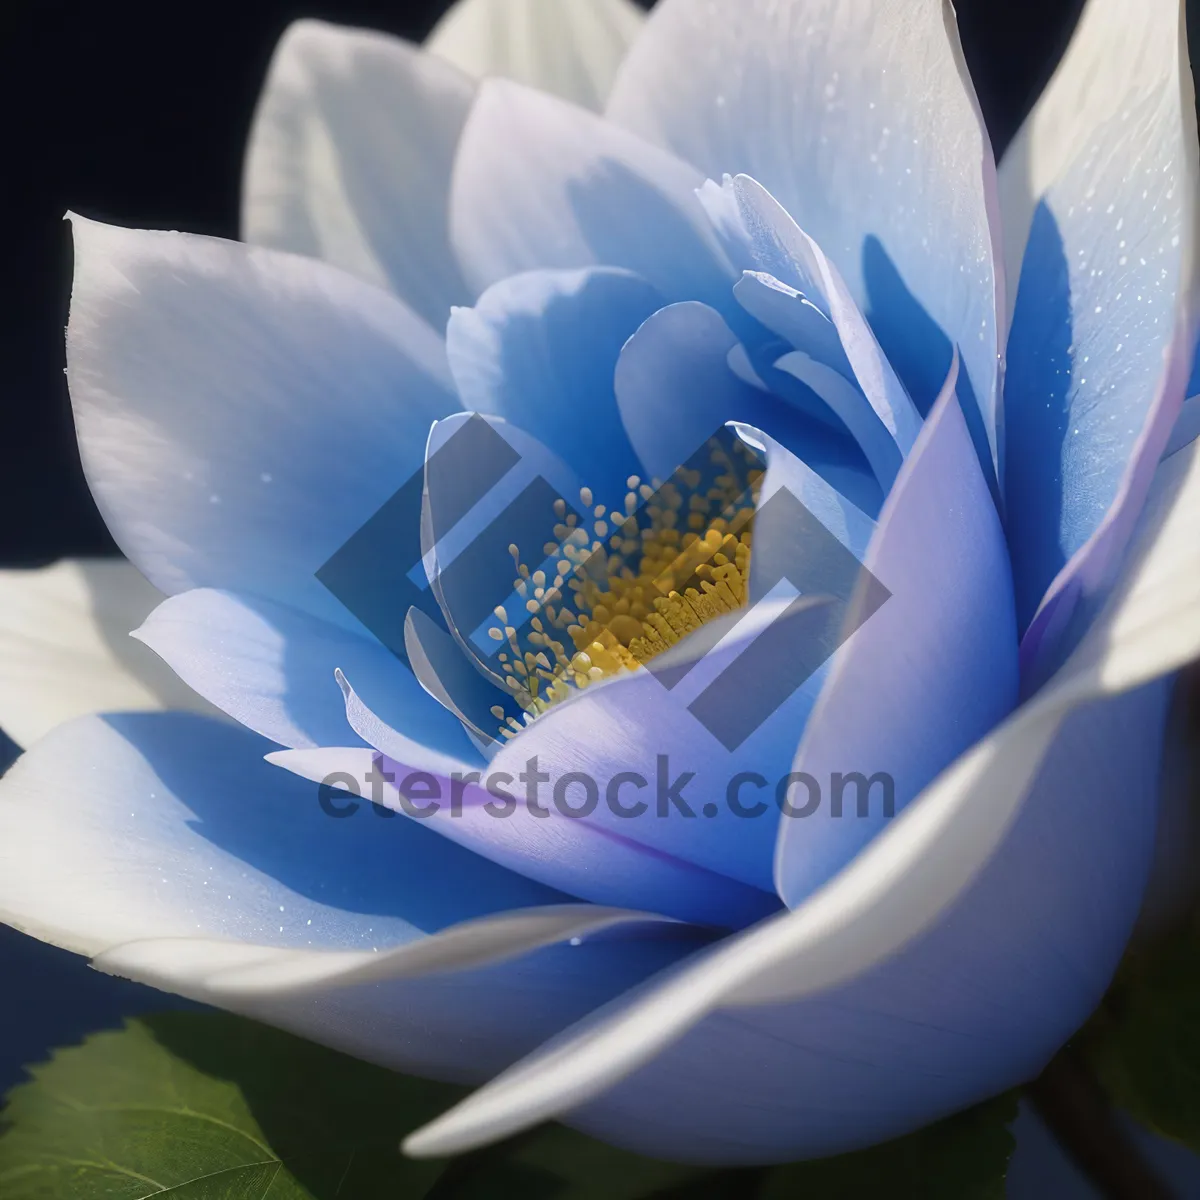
<point x="630" y="582"/>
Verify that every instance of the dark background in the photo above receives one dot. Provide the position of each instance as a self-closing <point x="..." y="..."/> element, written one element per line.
<point x="138" y="114"/>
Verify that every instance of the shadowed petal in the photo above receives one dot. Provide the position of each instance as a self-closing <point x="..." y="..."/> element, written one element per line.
<point x="675" y="389"/>
<point x="1099" y="202"/>
<point x="121" y="828"/>
<point x="417" y="755"/>
<point x="860" y="119"/>
<point x="540" y="349"/>
<point x="778" y="543"/>
<point x="932" y="672"/>
<point x="759" y="233"/>
<point x="843" y="398"/>
<point x="541" y="183"/>
<point x="271" y="668"/>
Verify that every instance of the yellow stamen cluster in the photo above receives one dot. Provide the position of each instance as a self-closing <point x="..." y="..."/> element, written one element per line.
<point x="629" y="583"/>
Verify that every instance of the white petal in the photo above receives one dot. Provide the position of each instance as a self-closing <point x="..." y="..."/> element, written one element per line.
<point x="1122" y="54"/>
<point x="569" y="47"/>
<point x="462" y="1023"/>
<point x="909" y="877"/>
<point x="220" y="972"/>
<point x="350" y="156"/>
<point x="242" y="412"/>
<point x="65" y="648"/>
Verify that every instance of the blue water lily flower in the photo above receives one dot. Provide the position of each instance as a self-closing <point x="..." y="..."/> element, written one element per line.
<point x="720" y="548"/>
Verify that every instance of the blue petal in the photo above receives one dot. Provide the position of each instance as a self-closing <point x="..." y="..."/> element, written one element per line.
<point x="540" y="349"/>
<point x="271" y="668"/>
<point x="848" y="402"/>
<point x="860" y="118"/>
<point x="759" y="232"/>
<point x="377" y="733"/>
<point x="453" y="680"/>
<point x="242" y="412"/>
<point x="799" y="325"/>
<point x="675" y="390"/>
<point x="791" y="315"/>
<point x="1193" y="383"/>
<point x="932" y="672"/>
<point x="778" y="542"/>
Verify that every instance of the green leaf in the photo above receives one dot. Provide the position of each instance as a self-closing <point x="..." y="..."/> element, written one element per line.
<point x="206" y="1106"/>
<point x="1144" y="1043"/>
<point x="964" y="1157"/>
<point x="199" y="1106"/>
